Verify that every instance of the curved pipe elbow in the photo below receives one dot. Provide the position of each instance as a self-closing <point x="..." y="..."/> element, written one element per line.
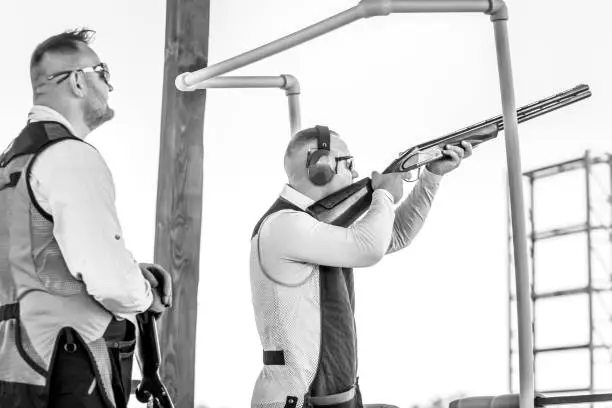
<point x="498" y="10"/>
<point x="292" y="85"/>
<point x="373" y="8"/>
<point x="180" y="83"/>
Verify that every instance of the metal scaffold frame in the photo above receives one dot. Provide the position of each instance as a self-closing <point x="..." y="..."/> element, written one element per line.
<point x="593" y="222"/>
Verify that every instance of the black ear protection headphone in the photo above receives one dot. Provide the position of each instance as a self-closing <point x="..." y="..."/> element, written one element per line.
<point x="320" y="163"/>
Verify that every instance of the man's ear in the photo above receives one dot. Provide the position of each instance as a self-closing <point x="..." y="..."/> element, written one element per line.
<point x="77" y="84"/>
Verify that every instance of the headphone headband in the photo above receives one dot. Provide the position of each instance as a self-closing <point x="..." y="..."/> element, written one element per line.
<point x="323" y="137"/>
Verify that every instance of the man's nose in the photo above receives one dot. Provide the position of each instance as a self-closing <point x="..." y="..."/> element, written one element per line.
<point x="354" y="173"/>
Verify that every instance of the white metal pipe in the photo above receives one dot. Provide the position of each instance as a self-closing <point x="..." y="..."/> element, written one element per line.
<point x="241" y="82"/>
<point x="188" y="79"/>
<point x="366" y="8"/>
<point x="292" y="86"/>
<point x="292" y="90"/>
<point x="287" y="82"/>
<point x="439" y="6"/>
<point x="294" y="113"/>
<point x="519" y="230"/>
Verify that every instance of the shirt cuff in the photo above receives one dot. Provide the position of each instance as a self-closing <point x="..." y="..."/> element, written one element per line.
<point x="427" y="175"/>
<point x="384" y="193"/>
<point x="148" y="301"/>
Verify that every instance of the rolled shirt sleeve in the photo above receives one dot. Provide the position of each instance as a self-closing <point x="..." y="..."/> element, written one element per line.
<point x="292" y="236"/>
<point x="71" y="181"/>
<point x="412" y="212"/>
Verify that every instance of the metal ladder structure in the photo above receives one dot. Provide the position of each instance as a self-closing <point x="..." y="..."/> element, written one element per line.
<point x="590" y="286"/>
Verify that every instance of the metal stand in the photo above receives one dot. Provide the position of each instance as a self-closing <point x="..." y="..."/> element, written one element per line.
<point x="499" y="14"/>
<point x="598" y="220"/>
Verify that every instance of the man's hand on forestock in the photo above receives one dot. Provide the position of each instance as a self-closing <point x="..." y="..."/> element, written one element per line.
<point x="452" y="160"/>
<point x="161" y="283"/>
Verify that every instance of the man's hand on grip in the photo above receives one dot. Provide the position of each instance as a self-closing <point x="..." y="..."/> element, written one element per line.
<point x="160" y="279"/>
<point x="157" y="307"/>
<point x="392" y="182"/>
<point x="161" y="285"/>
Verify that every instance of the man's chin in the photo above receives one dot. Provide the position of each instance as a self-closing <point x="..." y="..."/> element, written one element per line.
<point x="109" y="114"/>
<point x="101" y="119"/>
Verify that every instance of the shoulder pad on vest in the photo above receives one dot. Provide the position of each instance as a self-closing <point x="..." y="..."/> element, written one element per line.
<point x="279" y="204"/>
<point x="34" y="138"/>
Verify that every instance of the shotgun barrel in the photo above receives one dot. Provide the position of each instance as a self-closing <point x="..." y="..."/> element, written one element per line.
<point x="345" y="206"/>
<point x="483" y="131"/>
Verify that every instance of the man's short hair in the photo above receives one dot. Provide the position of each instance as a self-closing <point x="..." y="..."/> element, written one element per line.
<point x="66" y="42"/>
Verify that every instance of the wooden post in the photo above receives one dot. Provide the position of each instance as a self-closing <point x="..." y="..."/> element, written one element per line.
<point x="179" y="192"/>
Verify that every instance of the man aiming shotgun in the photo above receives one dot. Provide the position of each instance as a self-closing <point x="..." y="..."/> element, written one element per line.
<point x="303" y="251"/>
<point x="301" y="269"/>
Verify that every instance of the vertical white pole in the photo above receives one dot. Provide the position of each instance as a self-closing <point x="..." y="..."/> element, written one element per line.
<point x="292" y="90"/>
<point x="294" y="113"/>
<point x="519" y="235"/>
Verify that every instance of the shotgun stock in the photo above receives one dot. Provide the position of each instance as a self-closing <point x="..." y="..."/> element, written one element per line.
<point x="151" y="387"/>
<point x="343" y="207"/>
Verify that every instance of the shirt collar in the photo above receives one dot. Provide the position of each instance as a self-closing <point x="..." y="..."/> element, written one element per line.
<point x="295" y="197"/>
<point x="40" y="113"/>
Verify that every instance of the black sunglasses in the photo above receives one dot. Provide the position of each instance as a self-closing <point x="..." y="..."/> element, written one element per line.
<point x="349" y="162"/>
<point x="101" y="69"/>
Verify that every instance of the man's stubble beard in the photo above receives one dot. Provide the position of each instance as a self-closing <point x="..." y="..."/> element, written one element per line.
<point x="94" y="116"/>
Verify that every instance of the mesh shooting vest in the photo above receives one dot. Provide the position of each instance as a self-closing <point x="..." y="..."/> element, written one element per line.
<point x="39" y="298"/>
<point x="308" y="334"/>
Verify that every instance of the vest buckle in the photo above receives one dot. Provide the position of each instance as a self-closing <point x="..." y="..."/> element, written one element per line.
<point x="70" y="345"/>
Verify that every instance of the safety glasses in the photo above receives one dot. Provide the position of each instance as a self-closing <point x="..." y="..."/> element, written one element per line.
<point x="349" y="162"/>
<point x="101" y="69"/>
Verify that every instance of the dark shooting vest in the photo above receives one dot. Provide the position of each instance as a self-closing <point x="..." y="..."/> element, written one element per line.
<point x="305" y="366"/>
<point x="40" y="300"/>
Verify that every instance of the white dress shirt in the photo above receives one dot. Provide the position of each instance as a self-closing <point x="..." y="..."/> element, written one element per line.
<point x="71" y="181"/>
<point x="293" y="243"/>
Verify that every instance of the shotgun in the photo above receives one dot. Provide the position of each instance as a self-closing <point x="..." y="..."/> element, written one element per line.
<point x="151" y="388"/>
<point x="344" y="206"/>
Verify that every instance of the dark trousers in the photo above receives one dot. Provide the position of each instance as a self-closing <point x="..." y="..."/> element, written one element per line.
<point x="73" y="382"/>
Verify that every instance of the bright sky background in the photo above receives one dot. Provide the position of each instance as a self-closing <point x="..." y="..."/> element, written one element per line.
<point x="433" y="318"/>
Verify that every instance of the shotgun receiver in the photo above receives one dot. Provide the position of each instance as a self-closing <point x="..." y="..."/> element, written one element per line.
<point x="151" y="388"/>
<point x="343" y="207"/>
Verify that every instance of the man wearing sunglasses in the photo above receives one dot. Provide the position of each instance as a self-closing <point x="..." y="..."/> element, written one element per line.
<point x="69" y="288"/>
<point x="301" y="270"/>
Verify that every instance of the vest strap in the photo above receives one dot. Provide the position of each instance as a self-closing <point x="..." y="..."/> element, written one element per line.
<point x="12" y="181"/>
<point x="8" y="312"/>
<point x="274" y="357"/>
<point x="291" y="402"/>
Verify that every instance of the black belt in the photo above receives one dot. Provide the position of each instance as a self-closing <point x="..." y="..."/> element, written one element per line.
<point x="274" y="357"/>
<point x="121" y="335"/>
